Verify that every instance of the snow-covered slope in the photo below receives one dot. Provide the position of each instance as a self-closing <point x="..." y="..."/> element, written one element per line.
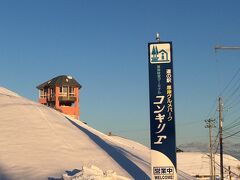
<point x="37" y="142"/>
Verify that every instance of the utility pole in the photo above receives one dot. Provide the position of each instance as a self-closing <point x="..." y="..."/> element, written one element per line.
<point x="214" y="167"/>
<point x="216" y="48"/>
<point x="220" y="108"/>
<point x="210" y="123"/>
<point x="229" y="173"/>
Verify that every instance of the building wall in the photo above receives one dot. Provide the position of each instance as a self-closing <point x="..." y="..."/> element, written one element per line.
<point x="76" y="90"/>
<point x="43" y="100"/>
<point x="57" y="92"/>
<point x="69" y="110"/>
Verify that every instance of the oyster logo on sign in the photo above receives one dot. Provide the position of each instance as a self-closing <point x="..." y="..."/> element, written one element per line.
<point x="160" y="53"/>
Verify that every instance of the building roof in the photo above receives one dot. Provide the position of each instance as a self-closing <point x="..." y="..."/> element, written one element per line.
<point x="60" y="81"/>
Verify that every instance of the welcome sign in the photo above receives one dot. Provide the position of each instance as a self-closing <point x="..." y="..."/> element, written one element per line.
<point x="162" y="118"/>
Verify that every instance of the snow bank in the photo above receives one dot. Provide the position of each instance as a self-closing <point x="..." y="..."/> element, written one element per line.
<point x="6" y="92"/>
<point x="92" y="172"/>
<point x="198" y="163"/>
<point x="38" y="143"/>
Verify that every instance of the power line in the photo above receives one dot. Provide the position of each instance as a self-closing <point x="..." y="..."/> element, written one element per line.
<point x="234" y="103"/>
<point x="229" y="83"/>
<point x="231" y="135"/>
<point x="220" y="104"/>
<point x="233" y="93"/>
<point x="216" y="141"/>
<point x="221" y="47"/>
<point x="224" y="167"/>
<point x="217" y="148"/>
<point x="232" y="124"/>
<point x="229" y="113"/>
<point x="232" y="127"/>
<point x="212" y="109"/>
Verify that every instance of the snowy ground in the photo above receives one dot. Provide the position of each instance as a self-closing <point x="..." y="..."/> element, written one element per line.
<point x="37" y="142"/>
<point x="40" y="143"/>
<point x="197" y="163"/>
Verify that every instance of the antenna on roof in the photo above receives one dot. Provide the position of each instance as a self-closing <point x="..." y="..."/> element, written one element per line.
<point x="158" y="37"/>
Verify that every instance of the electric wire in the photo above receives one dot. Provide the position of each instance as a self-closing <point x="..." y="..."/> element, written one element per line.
<point x="229" y="83"/>
<point x="231" y="95"/>
<point x="230" y="114"/>
<point x="231" y="88"/>
<point x="212" y="110"/>
<point x="231" y="99"/>
<point x="226" y="169"/>
<point x="232" y="126"/>
<point x="231" y="135"/>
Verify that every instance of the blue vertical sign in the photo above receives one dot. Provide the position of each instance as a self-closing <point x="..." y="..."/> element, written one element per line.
<point x="162" y="119"/>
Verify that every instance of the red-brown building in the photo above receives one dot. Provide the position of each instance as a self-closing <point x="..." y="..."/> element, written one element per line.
<point x="61" y="93"/>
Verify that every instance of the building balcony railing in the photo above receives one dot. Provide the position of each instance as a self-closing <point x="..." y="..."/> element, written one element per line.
<point x="67" y="98"/>
<point x="51" y="98"/>
<point x="62" y="97"/>
<point x="47" y="97"/>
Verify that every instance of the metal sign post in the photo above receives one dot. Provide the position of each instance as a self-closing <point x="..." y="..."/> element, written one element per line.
<point x="162" y="118"/>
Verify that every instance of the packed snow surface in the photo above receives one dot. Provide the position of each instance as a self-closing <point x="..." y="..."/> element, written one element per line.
<point x="37" y="142"/>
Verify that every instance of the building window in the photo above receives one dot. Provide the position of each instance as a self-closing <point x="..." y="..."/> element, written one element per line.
<point x="71" y="91"/>
<point x="43" y="93"/>
<point x="63" y="90"/>
<point x="52" y="93"/>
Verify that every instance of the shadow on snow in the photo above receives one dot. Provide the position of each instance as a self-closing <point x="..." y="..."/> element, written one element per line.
<point x="122" y="160"/>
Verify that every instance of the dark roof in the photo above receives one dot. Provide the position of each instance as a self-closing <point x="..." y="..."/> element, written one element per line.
<point x="60" y="81"/>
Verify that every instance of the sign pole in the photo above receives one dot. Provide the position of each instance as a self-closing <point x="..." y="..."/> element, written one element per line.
<point x="162" y="117"/>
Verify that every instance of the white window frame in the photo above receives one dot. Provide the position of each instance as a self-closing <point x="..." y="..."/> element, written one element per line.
<point x="71" y="91"/>
<point x="62" y="89"/>
<point x="42" y="93"/>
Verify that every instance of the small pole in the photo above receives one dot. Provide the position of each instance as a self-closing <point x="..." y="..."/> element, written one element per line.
<point x="229" y="172"/>
<point x="158" y="37"/>
<point x="210" y="125"/>
<point x="214" y="168"/>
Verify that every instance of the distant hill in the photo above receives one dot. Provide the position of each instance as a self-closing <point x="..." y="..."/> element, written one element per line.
<point x="230" y="148"/>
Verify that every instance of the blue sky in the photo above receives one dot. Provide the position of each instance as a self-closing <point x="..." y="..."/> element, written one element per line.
<point x="103" y="44"/>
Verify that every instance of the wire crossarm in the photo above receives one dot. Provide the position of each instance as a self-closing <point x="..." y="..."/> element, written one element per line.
<point x="219" y="47"/>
